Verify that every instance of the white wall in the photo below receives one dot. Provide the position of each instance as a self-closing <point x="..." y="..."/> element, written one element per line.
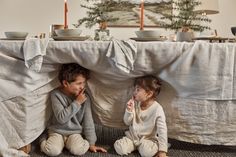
<point x="223" y="21"/>
<point x="35" y="16"/>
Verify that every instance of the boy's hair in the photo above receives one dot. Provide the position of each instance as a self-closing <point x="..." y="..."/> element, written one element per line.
<point x="70" y="71"/>
<point x="149" y="83"/>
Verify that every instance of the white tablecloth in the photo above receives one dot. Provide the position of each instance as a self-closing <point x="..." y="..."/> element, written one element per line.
<point x="198" y="93"/>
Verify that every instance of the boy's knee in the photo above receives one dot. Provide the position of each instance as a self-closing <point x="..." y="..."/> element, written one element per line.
<point x="50" y="150"/>
<point x="79" y="148"/>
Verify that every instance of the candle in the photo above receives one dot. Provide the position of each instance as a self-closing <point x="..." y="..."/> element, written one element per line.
<point x="142" y="15"/>
<point x="65" y="14"/>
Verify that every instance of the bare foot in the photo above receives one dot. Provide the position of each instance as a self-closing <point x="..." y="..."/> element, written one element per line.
<point x="26" y="148"/>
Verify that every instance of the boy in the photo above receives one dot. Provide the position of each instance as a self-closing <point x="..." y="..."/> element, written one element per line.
<point x="72" y="118"/>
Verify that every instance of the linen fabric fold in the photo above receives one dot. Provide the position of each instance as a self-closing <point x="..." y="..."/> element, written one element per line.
<point x="34" y="49"/>
<point x="123" y="53"/>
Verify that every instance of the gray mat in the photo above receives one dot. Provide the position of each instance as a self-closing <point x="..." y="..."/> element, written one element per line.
<point x="107" y="136"/>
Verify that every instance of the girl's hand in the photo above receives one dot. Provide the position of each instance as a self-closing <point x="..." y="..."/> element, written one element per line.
<point x="130" y="105"/>
<point x="81" y="97"/>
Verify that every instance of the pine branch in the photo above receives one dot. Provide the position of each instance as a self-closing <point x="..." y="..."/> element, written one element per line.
<point x="98" y="13"/>
<point x="184" y="16"/>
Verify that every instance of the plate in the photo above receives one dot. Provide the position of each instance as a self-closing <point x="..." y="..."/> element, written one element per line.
<point x="80" y="38"/>
<point x="148" y="39"/>
<point x="220" y="39"/>
<point x="12" y="39"/>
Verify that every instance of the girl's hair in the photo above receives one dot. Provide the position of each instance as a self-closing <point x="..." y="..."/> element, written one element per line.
<point x="149" y="83"/>
<point x="70" y="71"/>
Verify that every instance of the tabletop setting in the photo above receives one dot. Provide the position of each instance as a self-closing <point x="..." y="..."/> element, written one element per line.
<point x="183" y="32"/>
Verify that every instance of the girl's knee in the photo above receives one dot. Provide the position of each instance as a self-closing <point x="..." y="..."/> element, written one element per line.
<point x="148" y="149"/>
<point x="120" y="149"/>
<point x="124" y="146"/>
<point x="147" y="153"/>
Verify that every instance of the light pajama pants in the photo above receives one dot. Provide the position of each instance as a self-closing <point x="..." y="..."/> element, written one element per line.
<point x="146" y="148"/>
<point x="55" y="143"/>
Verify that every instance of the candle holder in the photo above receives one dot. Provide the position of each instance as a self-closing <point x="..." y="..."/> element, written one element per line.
<point x="54" y="27"/>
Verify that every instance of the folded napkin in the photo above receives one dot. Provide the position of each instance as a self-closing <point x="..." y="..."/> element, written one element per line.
<point x="123" y="54"/>
<point x="34" y="49"/>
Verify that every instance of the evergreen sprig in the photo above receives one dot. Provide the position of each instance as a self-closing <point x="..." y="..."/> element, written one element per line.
<point x="183" y="15"/>
<point x="98" y="13"/>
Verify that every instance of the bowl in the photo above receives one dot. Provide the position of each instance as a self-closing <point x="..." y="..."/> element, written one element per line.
<point x="233" y="30"/>
<point x="148" y="34"/>
<point x="16" y="34"/>
<point x="68" y="32"/>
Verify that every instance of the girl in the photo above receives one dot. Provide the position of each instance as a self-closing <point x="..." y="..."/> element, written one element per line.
<point x="146" y="120"/>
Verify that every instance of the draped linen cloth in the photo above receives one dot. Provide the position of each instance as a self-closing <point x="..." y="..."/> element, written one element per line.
<point x="198" y="92"/>
<point x="34" y="49"/>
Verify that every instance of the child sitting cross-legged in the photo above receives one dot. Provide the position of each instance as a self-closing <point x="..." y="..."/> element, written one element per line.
<point x="72" y="123"/>
<point x="146" y="121"/>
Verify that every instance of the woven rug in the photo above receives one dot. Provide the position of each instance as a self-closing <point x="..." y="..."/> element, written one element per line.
<point x="107" y="136"/>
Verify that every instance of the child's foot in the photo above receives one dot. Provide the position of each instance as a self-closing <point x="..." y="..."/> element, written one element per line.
<point x="26" y="148"/>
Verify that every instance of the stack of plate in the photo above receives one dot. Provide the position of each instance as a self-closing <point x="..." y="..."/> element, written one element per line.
<point x="69" y="34"/>
<point x="148" y="35"/>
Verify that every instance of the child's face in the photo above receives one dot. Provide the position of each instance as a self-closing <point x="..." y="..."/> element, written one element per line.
<point x="140" y="94"/>
<point x="76" y="86"/>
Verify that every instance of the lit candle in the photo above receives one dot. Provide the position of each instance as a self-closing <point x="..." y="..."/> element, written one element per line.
<point x="65" y="15"/>
<point x="142" y="15"/>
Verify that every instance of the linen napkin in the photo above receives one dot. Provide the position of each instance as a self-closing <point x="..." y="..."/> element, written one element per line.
<point x="123" y="53"/>
<point x="34" y="49"/>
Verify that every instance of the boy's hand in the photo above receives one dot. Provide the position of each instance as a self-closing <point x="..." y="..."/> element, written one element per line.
<point x="81" y="97"/>
<point x="130" y="105"/>
<point x="94" y="148"/>
<point x="161" y="154"/>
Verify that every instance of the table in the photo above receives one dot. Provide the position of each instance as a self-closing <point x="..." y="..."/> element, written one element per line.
<point x="198" y="92"/>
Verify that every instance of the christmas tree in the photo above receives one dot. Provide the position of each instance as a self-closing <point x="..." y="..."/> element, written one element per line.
<point x="97" y="14"/>
<point x="184" y="16"/>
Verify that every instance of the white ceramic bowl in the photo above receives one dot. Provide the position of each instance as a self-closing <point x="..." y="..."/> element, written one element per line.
<point x="16" y="34"/>
<point x="148" y="34"/>
<point x="68" y="32"/>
